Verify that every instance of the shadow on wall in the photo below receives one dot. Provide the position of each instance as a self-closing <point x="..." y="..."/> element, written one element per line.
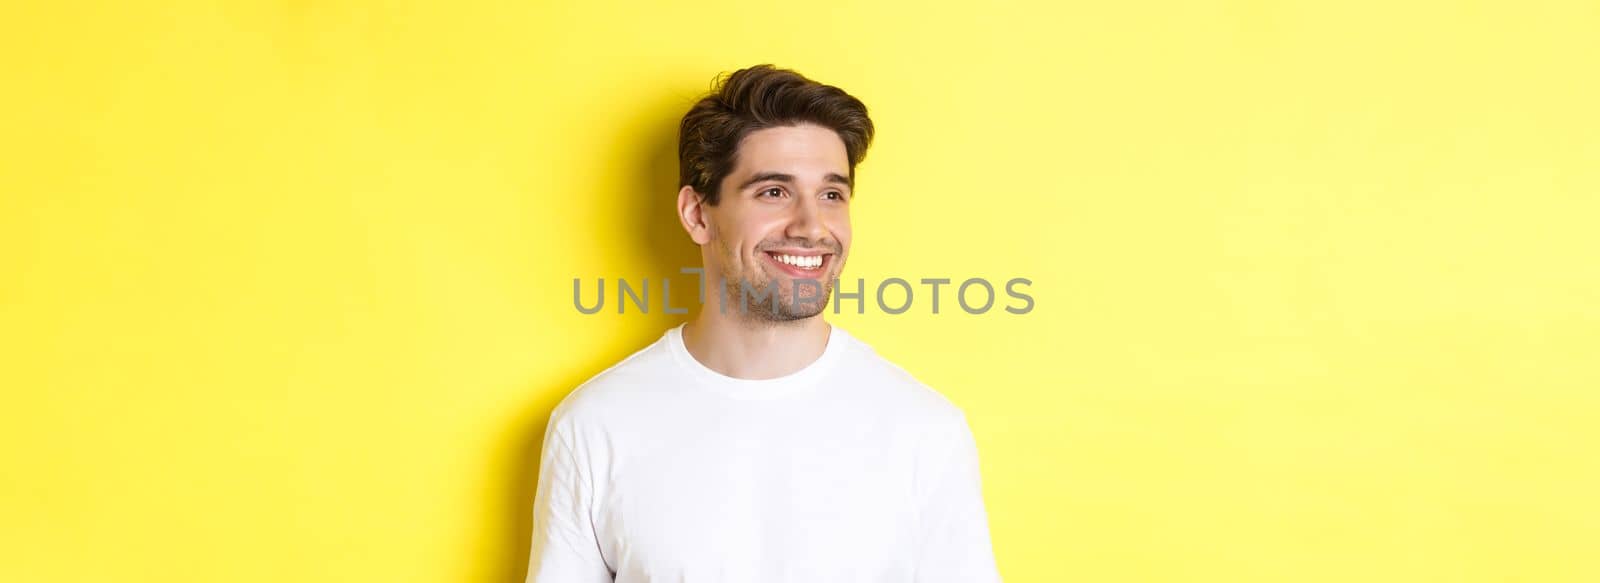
<point x="649" y="227"/>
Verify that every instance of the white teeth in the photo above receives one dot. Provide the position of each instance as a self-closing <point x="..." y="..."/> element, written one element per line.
<point x="801" y="261"/>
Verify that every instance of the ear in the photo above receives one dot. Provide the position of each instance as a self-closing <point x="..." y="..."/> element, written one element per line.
<point x="692" y="214"/>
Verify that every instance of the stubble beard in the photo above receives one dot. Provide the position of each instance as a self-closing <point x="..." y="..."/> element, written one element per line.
<point x="754" y="307"/>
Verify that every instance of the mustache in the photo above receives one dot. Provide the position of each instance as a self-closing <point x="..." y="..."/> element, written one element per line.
<point x="832" y="246"/>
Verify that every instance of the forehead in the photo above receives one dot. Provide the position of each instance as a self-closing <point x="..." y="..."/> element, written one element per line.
<point x="807" y="151"/>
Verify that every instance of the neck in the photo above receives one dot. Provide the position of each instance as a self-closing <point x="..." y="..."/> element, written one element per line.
<point x="735" y="346"/>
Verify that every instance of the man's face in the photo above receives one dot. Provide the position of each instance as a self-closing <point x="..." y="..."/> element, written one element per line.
<point x="784" y="217"/>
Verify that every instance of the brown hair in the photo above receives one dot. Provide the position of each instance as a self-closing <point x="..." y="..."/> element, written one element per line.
<point x="756" y="98"/>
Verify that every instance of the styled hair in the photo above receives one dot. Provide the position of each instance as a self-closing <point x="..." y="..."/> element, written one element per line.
<point x="756" y="98"/>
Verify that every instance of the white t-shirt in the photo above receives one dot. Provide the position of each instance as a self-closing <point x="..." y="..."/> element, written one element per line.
<point x="661" y="470"/>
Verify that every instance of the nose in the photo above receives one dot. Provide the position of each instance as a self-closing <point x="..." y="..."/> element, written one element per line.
<point x="805" y="221"/>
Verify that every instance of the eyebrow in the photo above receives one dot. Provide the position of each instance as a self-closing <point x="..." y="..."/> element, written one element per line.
<point x="832" y="177"/>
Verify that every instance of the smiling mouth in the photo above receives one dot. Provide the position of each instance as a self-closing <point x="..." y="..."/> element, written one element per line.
<point x="800" y="264"/>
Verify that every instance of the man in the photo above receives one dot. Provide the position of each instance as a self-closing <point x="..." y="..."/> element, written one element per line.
<point x="757" y="443"/>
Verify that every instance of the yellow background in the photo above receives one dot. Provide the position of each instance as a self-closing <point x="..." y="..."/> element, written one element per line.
<point x="286" y="286"/>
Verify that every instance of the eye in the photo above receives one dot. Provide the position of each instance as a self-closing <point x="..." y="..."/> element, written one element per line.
<point x="834" y="195"/>
<point x="773" y="189"/>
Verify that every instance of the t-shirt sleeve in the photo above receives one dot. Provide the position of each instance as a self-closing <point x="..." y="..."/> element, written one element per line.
<point x="565" y="547"/>
<point x="953" y="539"/>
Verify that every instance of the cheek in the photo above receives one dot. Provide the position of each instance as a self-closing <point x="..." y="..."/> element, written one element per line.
<point x="841" y="230"/>
<point x="760" y="230"/>
<point x="733" y="236"/>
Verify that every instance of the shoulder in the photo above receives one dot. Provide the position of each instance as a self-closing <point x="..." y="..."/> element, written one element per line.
<point x="909" y="394"/>
<point x="619" y="384"/>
